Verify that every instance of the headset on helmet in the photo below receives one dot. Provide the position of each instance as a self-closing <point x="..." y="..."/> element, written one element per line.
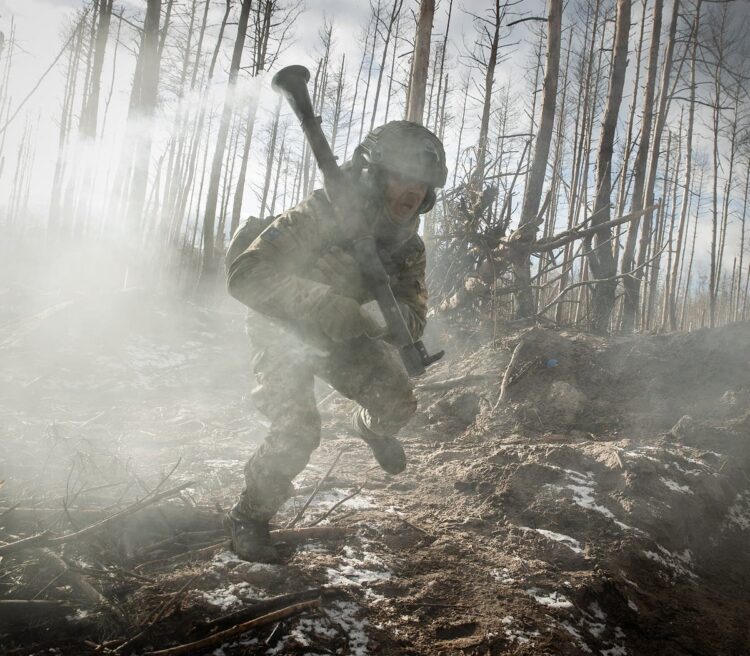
<point x="405" y="148"/>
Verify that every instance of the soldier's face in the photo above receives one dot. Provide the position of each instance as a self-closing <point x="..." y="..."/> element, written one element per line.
<point x="403" y="196"/>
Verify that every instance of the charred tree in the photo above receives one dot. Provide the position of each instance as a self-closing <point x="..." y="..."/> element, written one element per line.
<point x="209" y="258"/>
<point x="420" y="62"/>
<point x="525" y="235"/>
<point x="600" y="256"/>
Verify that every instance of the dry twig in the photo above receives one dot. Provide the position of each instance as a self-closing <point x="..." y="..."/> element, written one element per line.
<point x="301" y="513"/>
<point x="244" y="627"/>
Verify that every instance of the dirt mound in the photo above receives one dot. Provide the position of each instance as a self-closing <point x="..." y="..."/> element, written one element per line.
<point x="562" y="382"/>
<point x="565" y="494"/>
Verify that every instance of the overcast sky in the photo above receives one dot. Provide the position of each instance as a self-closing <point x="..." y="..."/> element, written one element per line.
<point x="40" y="27"/>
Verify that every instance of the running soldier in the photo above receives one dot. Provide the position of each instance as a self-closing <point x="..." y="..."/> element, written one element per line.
<point x="305" y="293"/>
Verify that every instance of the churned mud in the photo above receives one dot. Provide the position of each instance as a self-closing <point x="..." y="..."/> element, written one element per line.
<point x="566" y="494"/>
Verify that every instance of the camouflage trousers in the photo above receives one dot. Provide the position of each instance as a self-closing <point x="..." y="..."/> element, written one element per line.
<point x="363" y="370"/>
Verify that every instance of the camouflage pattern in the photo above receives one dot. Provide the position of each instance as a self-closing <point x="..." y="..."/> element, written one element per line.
<point x="280" y="276"/>
<point x="364" y="370"/>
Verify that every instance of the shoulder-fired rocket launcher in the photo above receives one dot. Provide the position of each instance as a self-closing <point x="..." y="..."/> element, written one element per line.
<point x="291" y="83"/>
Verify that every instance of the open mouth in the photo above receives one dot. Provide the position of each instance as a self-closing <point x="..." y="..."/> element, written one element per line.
<point x="407" y="204"/>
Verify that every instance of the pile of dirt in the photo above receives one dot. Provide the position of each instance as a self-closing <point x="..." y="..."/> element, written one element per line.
<point x="561" y="382"/>
<point x="565" y="494"/>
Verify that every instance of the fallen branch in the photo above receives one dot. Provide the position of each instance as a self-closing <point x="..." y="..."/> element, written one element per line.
<point x="340" y="502"/>
<point x="160" y="613"/>
<point x="593" y="281"/>
<point x="44" y="539"/>
<point x="507" y="375"/>
<point x="307" y="503"/>
<point x="25" y="543"/>
<point x="79" y="582"/>
<point x="134" y="508"/>
<point x="267" y="606"/>
<point x="467" y="379"/>
<point x="564" y="238"/>
<point x="297" y="535"/>
<point x="244" y="627"/>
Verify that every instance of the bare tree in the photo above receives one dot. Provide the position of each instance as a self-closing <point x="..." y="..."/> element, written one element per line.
<point x="420" y="62"/>
<point x="631" y="279"/>
<point x="529" y="222"/>
<point x="89" y="115"/>
<point x="600" y="256"/>
<point x="209" y="260"/>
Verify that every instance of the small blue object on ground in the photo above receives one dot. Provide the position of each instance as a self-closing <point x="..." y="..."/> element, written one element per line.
<point x="552" y="363"/>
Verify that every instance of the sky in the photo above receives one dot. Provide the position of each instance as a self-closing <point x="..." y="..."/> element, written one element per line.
<point x="40" y="27"/>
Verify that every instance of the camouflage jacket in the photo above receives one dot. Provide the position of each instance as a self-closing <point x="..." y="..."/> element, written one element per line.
<point x="277" y="275"/>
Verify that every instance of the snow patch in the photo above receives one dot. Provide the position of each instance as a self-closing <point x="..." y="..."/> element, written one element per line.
<point x="577" y="635"/>
<point x="519" y="635"/>
<point x="678" y="563"/>
<point x="552" y="599"/>
<point x="675" y="486"/>
<point x="235" y="594"/>
<point x="502" y="576"/>
<point x="573" y="544"/>
<point x="739" y="514"/>
<point x="343" y="613"/>
<point x="617" y="650"/>
<point x="360" y="570"/>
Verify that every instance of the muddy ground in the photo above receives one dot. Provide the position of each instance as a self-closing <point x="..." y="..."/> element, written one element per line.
<point x="597" y="501"/>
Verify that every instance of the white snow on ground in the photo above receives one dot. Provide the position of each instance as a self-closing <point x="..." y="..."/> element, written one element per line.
<point x="502" y="575"/>
<point x="340" y="619"/>
<point x="521" y="636"/>
<point x="582" y="487"/>
<point x="359" y="570"/>
<point x="577" y="635"/>
<point x="231" y="596"/>
<point x="679" y="564"/>
<point x="224" y="558"/>
<point x="227" y="559"/>
<point x="596" y="610"/>
<point x="573" y="544"/>
<point x="739" y="514"/>
<point x="219" y="651"/>
<point x="324" y="500"/>
<point x="675" y="486"/>
<point x="617" y="650"/>
<point x="343" y="613"/>
<point x="552" y="599"/>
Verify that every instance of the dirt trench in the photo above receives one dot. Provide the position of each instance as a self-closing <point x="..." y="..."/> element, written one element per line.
<point x="602" y="505"/>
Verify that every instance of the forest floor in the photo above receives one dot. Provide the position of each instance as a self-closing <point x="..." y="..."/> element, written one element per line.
<point x="601" y="506"/>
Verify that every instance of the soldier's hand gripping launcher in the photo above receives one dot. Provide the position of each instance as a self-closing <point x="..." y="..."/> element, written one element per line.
<point x="291" y="82"/>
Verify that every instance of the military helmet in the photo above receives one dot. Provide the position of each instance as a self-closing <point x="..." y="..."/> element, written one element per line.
<point x="405" y="148"/>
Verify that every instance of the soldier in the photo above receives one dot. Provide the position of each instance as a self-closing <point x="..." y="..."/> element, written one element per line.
<point x="305" y="293"/>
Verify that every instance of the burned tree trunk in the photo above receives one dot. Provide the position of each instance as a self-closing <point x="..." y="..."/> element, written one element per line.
<point x="631" y="280"/>
<point x="209" y="261"/>
<point x="91" y="109"/>
<point x="525" y="235"/>
<point x="143" y="106"/>
<point x="600" y="257"/>
<point x="420" y="62"/>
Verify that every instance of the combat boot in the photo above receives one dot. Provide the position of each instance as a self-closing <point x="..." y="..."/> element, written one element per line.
<point x="250" y="537"/>
<point x="386" y="448"/>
